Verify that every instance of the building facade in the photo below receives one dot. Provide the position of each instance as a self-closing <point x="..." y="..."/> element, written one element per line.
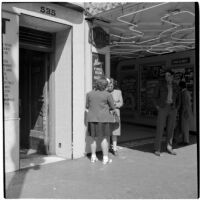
<point x="46" y="66"/>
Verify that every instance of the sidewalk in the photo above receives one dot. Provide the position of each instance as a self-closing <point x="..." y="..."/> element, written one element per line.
<point x="135" y="173"/>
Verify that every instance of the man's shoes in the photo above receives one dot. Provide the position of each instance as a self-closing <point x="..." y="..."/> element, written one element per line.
<point x="171" y="151"/>
<point x="183" y="143"/>
<point x="157" y="153"/>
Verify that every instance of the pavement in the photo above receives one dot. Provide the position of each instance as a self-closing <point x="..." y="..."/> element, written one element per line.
<point x="136" y="173"/>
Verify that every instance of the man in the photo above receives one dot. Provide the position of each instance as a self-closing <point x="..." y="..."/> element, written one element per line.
<point x="185" y="112"/>
<point x="167" y="102"/>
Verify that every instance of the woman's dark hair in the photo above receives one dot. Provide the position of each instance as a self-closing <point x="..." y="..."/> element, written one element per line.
<point x="101" y="84"/>
<point x="182" y="84"/>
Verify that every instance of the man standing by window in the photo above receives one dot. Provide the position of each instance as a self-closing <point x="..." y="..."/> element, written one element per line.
<point x="167" y="102"/>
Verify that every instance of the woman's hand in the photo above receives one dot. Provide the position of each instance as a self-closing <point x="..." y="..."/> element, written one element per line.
<point x="115" y="112"/>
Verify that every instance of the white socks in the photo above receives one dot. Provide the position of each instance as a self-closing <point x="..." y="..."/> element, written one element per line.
<point x="105" y="158"/>
<point x="94" y="156"/>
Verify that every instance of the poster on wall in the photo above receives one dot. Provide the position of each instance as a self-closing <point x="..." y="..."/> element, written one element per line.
<point x="98" y="65"/>
<point x="10" y="64"/>
<point x="149" y="77"/>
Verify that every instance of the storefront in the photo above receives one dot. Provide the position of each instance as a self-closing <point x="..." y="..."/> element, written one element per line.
<point x="138" y="77"/>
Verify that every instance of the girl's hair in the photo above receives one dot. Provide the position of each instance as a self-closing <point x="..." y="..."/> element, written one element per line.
<point x="114" y="83"/>
<point x="101" y="84"/>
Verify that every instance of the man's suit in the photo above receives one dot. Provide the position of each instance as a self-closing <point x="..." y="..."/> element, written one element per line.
<point x="167" y="112"/>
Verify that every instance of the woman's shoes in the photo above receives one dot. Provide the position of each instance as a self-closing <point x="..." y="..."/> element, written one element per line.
<point x="114" y="152"/>
<point x="105" y="161"/>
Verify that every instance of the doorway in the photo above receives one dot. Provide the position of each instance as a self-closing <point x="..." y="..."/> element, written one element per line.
<point x="33" y="97"/>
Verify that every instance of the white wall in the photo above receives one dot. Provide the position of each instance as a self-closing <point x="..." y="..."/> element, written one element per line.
<point x="63" y="92"/>
<point x="79" y="67"/>
<point x="11" y="91"/>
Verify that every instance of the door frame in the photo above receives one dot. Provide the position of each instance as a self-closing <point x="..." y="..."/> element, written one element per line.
<point x="54" y="135"/>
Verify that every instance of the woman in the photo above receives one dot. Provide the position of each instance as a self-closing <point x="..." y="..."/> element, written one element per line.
<point x="118" y="102"/>
<point x="99" y="102"/>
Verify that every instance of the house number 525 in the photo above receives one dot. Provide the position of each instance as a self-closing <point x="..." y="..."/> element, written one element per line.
<point x="47" y="11"/>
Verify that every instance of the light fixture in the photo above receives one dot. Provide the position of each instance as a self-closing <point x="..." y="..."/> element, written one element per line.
<point x="169" y="22"/>
<point x="164" y="19"/>
<point x="129" y="52"/>
<point x="153" y="50"/>
<point x="132" y="27"/>
<point x="126" y="38"/>
<point x="175" y="38"/>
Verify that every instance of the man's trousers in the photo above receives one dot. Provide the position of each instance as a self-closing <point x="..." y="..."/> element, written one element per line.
<point x="166" y="117"/>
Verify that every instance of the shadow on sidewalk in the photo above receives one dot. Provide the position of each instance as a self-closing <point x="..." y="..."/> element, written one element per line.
<point x="15" y="180"/>
<point x="147" y="145"/>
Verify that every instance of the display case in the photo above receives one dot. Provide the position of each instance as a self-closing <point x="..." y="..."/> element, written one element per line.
<point x="128" y="82"/>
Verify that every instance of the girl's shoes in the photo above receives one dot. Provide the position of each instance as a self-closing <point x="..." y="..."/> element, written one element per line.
<point x="107" y="161"/>
<point x="115" y="153"/>
<point x="94" y="159"/>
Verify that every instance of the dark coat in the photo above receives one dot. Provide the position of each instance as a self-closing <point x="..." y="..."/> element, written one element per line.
<point x="99" y="104"/>
<point x="161" y="92"/>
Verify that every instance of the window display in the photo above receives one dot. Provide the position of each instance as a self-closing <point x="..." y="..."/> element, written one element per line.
<point x="150" y="75"/>
<point x="128" y="82"/>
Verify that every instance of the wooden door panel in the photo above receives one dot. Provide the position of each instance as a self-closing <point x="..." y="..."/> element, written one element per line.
<point x="33" y="97"/>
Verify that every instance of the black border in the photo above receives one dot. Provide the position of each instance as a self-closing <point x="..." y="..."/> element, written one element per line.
<point x="197" y="84"/>
<point x="3" y="122"/>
